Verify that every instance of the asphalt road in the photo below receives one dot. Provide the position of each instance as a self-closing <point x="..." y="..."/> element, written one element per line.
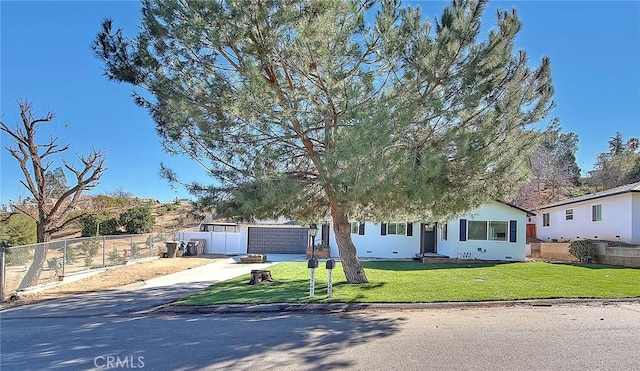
<point x="559" y="337"/>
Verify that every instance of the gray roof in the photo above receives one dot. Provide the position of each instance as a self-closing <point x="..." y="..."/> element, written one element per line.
<point x="529" y="213"/>
<point x="633" y="187"/>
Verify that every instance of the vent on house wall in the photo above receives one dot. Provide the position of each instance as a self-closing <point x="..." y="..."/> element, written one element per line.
<point x="508" y="257"/>
<point x="369" y="252"/>
<point x="395" y="252"/>
<point x="595" y="236"/>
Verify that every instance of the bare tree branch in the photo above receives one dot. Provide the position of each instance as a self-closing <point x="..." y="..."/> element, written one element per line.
<point x="51" y="214"/>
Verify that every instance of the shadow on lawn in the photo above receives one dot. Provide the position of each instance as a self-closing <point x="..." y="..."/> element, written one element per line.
<point x="593" y="265"/>
<point x="289" y="291"/>
<point x="419" y="266"/>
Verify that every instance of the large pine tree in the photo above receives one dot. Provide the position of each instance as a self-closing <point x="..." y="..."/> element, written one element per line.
<point x="343" y="109"/>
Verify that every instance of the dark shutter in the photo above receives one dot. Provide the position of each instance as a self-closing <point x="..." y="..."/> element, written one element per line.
<point x="463" y="229"/>
<point x="383" y="229"/>
<point x="361" y="229"/>
<point x="409" y="229"/>
<point x="513" y="230"/>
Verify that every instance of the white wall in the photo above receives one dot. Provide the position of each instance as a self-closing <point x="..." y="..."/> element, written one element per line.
<point x="489" y="250"/>
<point x="217" y="242"/>
<point x="373" y="245"/>
<point x="616" y="221"/>
<point x="635" y="218"/>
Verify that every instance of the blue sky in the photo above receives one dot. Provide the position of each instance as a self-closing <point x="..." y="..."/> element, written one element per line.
<point x="45" y="57"/>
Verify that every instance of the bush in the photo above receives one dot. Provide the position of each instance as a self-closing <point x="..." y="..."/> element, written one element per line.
<point x="19" y="256"/>
<point x="18" y="229"/>
<point x="584" y="250"/>
<point x="135" y="251"/>
<point x="70" y="256"/>
<point x="108" y="225"/>
<point x="90" y="249"/>
<point x="115" y="256"/>
<point x="137" y="220"/>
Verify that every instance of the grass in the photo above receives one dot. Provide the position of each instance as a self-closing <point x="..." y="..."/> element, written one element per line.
<point x="413" y="282"/>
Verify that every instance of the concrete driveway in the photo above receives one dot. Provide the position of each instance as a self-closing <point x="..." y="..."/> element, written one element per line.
<point x="143" y="297"/>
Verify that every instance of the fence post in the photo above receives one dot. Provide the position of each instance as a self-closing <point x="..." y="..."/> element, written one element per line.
<point x="64" y="257"/>
<point x="3" y="261"/>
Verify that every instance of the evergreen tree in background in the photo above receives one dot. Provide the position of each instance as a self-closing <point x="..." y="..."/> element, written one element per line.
<point x="348" y="110"/>
<point x="17" y="229"/>
<point x="56" y="182"/>
<point x="619" y="166"/>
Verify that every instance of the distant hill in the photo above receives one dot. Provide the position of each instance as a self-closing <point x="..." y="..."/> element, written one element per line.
<point x="169" y="217"/>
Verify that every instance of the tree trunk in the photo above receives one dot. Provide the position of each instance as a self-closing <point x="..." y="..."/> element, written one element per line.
<point x="39" y="258"/>
<point x="348" y="256"/>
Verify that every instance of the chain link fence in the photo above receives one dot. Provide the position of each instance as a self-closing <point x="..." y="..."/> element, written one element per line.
<point x="29" y="266"/>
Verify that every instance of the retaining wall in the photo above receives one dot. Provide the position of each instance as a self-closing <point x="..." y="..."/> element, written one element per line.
<point x="612" y="255"/>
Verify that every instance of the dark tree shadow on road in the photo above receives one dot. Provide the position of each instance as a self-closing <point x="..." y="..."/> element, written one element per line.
<point x="187" y="342"/>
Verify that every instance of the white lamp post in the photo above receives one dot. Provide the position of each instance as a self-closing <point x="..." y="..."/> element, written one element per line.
<point x="313" y="263"/>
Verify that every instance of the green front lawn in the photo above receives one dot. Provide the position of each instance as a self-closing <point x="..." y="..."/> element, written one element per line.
<point x="413" y="282"/>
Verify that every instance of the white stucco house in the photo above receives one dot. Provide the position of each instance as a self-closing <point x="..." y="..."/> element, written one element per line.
<point x="495" y="231"/>
<point x="612" y="215"/>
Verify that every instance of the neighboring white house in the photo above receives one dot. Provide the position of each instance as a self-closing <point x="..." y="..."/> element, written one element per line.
<point x="495" y="231"/>
<point x="612" y="215"/>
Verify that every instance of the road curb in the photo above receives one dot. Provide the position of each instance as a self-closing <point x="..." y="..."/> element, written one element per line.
<point x="356" y="307"/>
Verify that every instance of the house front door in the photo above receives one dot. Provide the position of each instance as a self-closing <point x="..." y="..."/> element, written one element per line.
<point x="428" y="238"/>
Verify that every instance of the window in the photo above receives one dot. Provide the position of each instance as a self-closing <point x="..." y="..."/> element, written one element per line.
<point x="445" y="231"/>
<point x="399" y="229"/>
<point x="488" y="230"/>
<point x="498" y="231"/>
<point x="357" y="228"/>
<point x="354" y="227"/>
<point x="596" y="213"/>
<point x="568" y="214"/>
<point x="477" y="230"/>
<point x="224" y="228"/>
<point x="545" y="220"/>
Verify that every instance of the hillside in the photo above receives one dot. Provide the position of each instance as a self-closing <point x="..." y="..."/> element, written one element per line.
<point x="169" y="217"/>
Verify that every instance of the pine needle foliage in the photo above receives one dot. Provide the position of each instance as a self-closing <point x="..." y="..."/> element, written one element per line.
<point x="336" y="109"/>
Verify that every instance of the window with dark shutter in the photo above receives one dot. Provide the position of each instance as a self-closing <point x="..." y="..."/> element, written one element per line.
<point x="463" y="229"/>
<point x="409" y="229"/>
<point x="513" y="230"/>
<point x="361" y="229"/>
<point x="383" y="229"/>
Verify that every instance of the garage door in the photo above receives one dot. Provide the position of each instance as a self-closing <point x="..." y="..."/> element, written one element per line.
<point x="277" y="240"/>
